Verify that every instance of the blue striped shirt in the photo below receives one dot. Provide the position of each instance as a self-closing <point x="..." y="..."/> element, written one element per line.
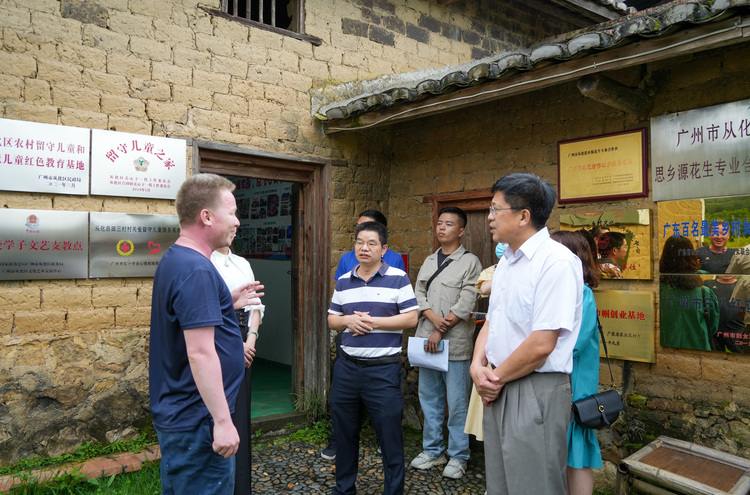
<point x="387" y="293"/>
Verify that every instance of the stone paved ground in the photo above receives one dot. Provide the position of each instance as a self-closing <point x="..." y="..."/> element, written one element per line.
<point x="295" y="467"/>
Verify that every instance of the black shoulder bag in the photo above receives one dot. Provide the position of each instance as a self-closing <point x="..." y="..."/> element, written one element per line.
<point x="602" y="409"/>
<point x="442" y="267"/>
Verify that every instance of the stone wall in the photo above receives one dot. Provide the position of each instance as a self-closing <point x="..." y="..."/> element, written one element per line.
<point x="74" y="352"/>
<point x="73" y="362"/>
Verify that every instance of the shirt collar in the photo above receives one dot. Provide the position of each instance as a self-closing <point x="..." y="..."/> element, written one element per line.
<point x="455" y="254"/>
<point x="529" y="247"/>
<point x="383" y="268"/>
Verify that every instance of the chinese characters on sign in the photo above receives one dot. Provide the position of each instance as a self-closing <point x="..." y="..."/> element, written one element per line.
<point x="607" y="166"/>
<point x="701" y="153"/>
<point x="634" y="224"/>
<point x="704" y="228"/>
<point x="135" y="165"/>
<point x="627" y="319"/>
<point x="44" y="157"/>
<point x="43" y="244"/>
<point x="129" y="244"/>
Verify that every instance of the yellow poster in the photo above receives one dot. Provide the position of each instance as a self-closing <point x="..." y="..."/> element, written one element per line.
<point x="609" y="166"/>
<point x="627" y="319"/>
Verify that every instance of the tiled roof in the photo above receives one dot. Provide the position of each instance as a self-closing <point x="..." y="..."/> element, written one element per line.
<point x="617" y="6"/>
<point x="351" y="99"/>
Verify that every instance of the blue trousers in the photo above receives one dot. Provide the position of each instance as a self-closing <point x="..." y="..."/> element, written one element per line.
<point x="189" y="464"/>
<point x="434" y="387"/>
<point x="378" y="389"/>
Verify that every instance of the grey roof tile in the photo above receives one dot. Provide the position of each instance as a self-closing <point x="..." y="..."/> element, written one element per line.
<point x="348" y="100"/>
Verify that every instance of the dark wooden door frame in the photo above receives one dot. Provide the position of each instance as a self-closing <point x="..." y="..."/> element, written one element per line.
<point x="311" y="256"/>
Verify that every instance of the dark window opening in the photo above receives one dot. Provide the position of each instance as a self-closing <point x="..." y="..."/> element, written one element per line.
<point x="276" y="13"/>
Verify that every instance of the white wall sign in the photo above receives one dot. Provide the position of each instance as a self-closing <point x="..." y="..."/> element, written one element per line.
<point x="701" y="153"/>
<point x="44" y="158"/>
<point x="129" y="244"/>
<point x="43" y="244"/>
<point x="136" y="165"/>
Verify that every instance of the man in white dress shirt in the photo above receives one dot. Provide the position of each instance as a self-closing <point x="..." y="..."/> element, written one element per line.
<point x="532" y="326"/>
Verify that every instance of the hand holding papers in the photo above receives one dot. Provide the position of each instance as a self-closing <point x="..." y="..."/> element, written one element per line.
<point x="418" y="357"/>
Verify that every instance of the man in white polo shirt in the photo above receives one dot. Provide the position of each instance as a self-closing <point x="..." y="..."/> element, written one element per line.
<point x="532" y="326"/>
<point x="372" y="304"/>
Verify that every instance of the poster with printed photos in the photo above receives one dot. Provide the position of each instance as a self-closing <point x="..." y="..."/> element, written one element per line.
<point x="264" y="208"/>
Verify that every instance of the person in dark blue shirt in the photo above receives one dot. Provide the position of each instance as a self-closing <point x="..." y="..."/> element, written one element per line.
<point x="349" y="259"/>
<point x="196" y="358"/>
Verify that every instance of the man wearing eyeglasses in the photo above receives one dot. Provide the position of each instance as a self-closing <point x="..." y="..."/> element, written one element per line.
<point x="349" y="259"/>
<point x="346" y="263"/>
<point x="532" y="325"/>
<point x="372" y="304"/>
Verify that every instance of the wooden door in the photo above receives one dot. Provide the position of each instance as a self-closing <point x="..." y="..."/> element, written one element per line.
<point x="477" y="238"/>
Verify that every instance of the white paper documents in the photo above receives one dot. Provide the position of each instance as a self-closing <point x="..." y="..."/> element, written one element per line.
<point x="418" y="357"/>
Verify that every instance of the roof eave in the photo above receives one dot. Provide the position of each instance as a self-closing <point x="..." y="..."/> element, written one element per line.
<point x="710" y="36"/>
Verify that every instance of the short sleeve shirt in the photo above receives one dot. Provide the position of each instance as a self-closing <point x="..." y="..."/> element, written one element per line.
<point x="537" y="287"/>
<point x="189" y="293"/>
<point x="387" y="293"/>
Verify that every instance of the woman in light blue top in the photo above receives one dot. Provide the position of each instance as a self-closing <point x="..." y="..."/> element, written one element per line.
<point x="583" y="446"/>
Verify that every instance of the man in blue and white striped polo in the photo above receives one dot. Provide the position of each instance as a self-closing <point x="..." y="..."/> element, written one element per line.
<point x="372" y="305"/>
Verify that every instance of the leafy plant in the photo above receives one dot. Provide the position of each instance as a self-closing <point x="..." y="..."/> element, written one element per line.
<point x="316" y="432"/>
<point x="62" y="483"/>
<point x="146" y="481"/>
<point x="632" y="435"/>
<point x="311" y="404"/>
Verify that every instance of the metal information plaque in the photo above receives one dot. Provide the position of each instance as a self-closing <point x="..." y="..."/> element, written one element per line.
<point x="136" y="165"/>
<point x="129" y="244"/>
<point x="701" y="153"/>
<point x="43" y="244"/>
<point x="44" y="158"/>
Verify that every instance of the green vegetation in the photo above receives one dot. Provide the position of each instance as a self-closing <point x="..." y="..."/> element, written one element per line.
<point x="316" y="432"/>
<point x="314" y="407"/>
<point x="146" y="481"/>
<point x="84" y="452"/>
<point x="733" y="208"/>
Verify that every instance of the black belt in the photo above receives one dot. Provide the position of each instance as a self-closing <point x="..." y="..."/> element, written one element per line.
<point x="243" y="318"/>
<point x="396" y="358"/>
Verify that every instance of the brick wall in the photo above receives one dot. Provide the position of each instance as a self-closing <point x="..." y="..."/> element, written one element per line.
<point x="476" y="29"/>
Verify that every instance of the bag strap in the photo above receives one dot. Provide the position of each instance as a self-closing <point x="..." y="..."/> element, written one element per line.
<point x="606" y="354"/>
<point x="442" y="267"/>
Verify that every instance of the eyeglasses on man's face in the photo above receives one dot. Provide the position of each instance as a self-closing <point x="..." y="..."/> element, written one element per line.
<point x="359" y="243"/>
<point x="493" y="210"/>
